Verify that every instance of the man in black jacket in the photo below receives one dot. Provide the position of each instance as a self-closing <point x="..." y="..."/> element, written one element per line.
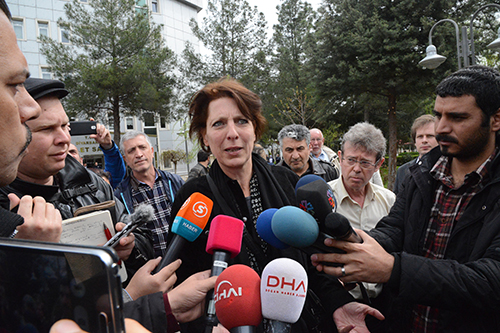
<point x="48" y="172"/>
<point x="438" y="249"/>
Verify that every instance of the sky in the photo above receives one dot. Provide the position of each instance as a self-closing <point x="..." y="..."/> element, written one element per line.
<point x="268" y="7"/>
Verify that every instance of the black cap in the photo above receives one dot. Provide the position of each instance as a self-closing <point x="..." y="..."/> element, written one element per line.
<point x="39" y="88"/>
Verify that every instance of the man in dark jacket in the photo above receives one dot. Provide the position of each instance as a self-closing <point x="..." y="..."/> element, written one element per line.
<point x="200" y="169"/>
<point x="146" y="184"/>
<point x="438" y="249"/>
<point x="294" y="142"/>
<point x="48" y="172"/>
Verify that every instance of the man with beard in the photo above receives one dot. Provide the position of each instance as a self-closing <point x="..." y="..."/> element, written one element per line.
<point x="438" y="250"/>
<point x="37" y="219"/>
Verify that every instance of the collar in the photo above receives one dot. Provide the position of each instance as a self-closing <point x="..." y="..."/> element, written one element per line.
<point x="343" y="194"/>
<point x="136" y="182"/>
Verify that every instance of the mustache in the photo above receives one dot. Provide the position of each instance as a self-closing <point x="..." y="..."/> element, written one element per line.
<point x="29" y="137"/>
<point x="447" y="138"/>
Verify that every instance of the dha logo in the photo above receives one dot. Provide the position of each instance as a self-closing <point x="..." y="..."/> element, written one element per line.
<point x="226" y="292"/>
<point x="185" y="203"/>
<point x="200" y="209"/>
<point x="278" y="285"/>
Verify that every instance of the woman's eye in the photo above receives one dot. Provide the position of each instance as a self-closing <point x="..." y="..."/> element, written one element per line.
<point x="243" y="121"/>
<point x="217" y="124"/>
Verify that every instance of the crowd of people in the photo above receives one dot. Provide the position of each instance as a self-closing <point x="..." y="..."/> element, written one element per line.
<point x="428" y="260"/>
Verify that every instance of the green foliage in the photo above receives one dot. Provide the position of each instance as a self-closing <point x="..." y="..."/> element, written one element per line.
<point x="116" y="62"/>
<point x="406" y="157"/>
<point x="173" y="156"/>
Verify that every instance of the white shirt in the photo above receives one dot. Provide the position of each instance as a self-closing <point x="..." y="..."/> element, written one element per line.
<point x="323" y="156"/>
<point x="377" y="204"/>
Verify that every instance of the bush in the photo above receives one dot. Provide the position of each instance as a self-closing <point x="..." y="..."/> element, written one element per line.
<point x="406" y="157"/>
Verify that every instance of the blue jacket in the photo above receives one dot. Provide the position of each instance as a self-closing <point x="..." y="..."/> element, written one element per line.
<point x="171" y="181"/>
<point x="113" y="163"/>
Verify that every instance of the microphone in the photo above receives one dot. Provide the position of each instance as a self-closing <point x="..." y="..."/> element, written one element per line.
<point x="339" y="227"/>
<point x="224" y="242"/>
<point x="237" y="299"/>
<point x="187" y="226"/>
<point x="315" y="196"/>
<point x="283" y="291"/>
<point x="265" y="231"/>
<point x="142" y="214"/>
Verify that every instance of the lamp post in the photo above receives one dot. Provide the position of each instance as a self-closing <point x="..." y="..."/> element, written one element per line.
<point x="465" y="54"/>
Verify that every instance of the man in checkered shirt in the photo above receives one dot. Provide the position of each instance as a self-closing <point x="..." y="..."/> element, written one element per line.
<point x="438" y="250"/>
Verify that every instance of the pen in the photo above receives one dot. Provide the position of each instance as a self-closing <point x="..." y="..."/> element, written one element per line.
<point x="106" y="231"/>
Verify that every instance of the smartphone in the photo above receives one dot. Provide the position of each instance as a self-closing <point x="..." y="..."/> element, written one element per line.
<point x="82" y="127"/>
<point x="41" y="283"/>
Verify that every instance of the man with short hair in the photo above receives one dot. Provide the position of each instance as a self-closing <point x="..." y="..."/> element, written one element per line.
<point x="294" y="142"/>
<point x="424" y="138"/>
<point x="200" y="169"/>
<point x="359" y="200"/>
<point x="35" y="219"/>
<point x="48" y="172"/>
<point x="146" y="184"/>
<point x="437" y="250"/>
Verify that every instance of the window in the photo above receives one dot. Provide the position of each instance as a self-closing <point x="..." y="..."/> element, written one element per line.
<point x="43" y="29"/>
<point x="149" y="119"/>
<point x="130" y="123"/>
<point x="163" y="122"/>
<point x="46" y="73"/>
<point x="64" y="35"/>
<point x="154" y="6"/>
<point x="18" y="24"/>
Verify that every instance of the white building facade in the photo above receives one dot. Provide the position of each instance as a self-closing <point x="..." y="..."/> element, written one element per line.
<point x="33" y="18"/>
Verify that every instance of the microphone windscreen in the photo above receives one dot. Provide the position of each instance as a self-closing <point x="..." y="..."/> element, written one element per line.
<point x="226" y="233"/>
<point x="294" y="227"/>
<point x="265" y="231"/>
<point x="317" y="199"/>
<point x="193" y="216"/>
<point x="337" y="225"/>
<point x="283" y="290"/>
<point x="237" y="297"/>
<point x="143" y="213"/>
<point x="306" y="180"/>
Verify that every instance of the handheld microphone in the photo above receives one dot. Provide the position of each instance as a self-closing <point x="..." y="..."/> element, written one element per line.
<point x="316" y="197"/>
<point x="237" y="299"/>
<point x="224" y="242"/>
<point x="283" y="291"/>
<point x="265" y="231"/>
<point x="339" y="227"/>
<point x="187" y="226"/>
<point x="142" y="214"/>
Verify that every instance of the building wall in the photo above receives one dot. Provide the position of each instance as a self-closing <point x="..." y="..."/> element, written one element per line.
<point x="174" y="15"/>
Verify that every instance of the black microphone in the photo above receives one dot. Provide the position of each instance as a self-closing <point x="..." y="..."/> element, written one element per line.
<point x="188" y="224"/>
<point x="339" y="227"/>
<point x="142" y="214"/>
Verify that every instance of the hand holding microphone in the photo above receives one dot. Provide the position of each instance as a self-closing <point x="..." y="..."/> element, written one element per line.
<point x="143" y="213"/>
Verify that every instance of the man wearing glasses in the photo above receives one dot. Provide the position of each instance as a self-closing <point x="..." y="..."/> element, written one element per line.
<point x="360" y="201"/>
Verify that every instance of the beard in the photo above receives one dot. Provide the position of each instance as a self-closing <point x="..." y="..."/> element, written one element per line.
<point x="471" y="147"/>
<point x="28" y="140"/>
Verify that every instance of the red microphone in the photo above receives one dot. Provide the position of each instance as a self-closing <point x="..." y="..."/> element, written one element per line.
<point x="237" y="299"/>
<point x="224" y="242"/>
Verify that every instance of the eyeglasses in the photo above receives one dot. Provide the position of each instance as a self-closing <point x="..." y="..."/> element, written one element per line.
<point x="363" y="164"/>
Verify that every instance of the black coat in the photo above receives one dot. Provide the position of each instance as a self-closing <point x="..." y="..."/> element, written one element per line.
<point x="465" y="285"/>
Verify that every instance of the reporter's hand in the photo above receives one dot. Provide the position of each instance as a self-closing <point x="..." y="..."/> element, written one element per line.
<point x="103" y="137"/>
<point x="126" y="244"/>
<point x="187" y="299"/>
<point x="351" y="317"/>
<point x="143" y="283"/>
<point x="69" y="326"/>
<point x="42" y="221"/>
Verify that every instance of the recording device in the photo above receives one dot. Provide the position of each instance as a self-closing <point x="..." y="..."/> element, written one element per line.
<point x="82" y="127"/>
<point x="265" y="231"/>
<point x="142" y="214"/>
<point x="316" y="197"/>
<point x="283" y="291"/>
<point x="41" y="283"/>
<point x="339" y="227"/>
<point x="237" y="299"/>
<point x="188" y="224"/>
<point x="224" y="242"/>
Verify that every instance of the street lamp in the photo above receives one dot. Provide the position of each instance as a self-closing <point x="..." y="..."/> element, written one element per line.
<point x="464" y="54"/>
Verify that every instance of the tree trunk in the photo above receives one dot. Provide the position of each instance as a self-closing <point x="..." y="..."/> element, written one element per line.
<point x="393" y="142"/>
<point x="116" y="120"/>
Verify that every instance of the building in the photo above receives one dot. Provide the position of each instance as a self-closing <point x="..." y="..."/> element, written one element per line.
<point x="33" y="18"/>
